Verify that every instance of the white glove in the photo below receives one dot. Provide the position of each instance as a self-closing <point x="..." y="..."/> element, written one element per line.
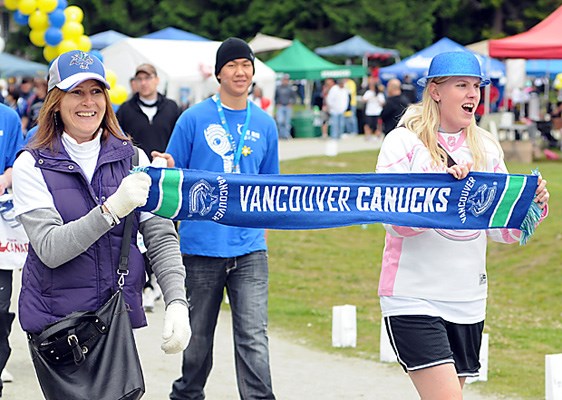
<point x="131" y="193"/>
<point x="177" y="331"/>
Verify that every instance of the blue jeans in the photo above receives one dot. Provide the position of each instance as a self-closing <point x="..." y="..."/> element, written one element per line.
<point x="351" y="124"/>
<point x="336" y="125"/>
<point x="283" y="117"/>
<point x="246" y="282"/>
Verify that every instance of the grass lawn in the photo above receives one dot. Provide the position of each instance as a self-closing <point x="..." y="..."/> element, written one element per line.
<point x="312" y="271"/>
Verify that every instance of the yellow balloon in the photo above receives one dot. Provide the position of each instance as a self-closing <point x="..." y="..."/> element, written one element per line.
<point x="72" y="30"/>
<point x="111" y="78"/>
<point x="118" y="95"/>
<point x="50" y="53"/>
<point x="73" y="13"/>
<point x="84" y="43"/>
<point x="11" y="4"/>
<point x="47" y="6"/>
<point x="558" y="81"/>
<point x="38" y="20"/>
<point x="37" y="37"/>
<point x="27" y="6"/>
<point x="66" y="45"/>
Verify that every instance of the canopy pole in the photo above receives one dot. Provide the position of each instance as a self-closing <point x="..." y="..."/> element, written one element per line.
<point x="487" y="91"/>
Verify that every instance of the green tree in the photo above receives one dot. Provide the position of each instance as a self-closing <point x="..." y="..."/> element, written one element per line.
<point x="408" y="25"/>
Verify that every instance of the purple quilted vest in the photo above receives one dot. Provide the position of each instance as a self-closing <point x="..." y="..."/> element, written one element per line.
<point x="87" y="281"/>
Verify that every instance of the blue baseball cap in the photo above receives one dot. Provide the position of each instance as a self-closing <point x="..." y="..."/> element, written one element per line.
<point x="454" y="63"/>
<point x="74" y="67"/>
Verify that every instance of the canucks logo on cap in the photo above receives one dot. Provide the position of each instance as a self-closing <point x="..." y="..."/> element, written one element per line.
<point x="83" y="60"/>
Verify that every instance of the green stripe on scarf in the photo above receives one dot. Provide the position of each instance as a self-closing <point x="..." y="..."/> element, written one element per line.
<point x="170" y="200"/>
<point x="510" y="196"/>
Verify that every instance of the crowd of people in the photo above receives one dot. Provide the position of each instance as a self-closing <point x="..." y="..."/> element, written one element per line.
<point x="348" y="106"/>
<point x="72" y="190"/>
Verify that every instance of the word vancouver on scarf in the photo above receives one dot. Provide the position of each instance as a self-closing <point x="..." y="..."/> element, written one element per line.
<point x="425" y="200"/>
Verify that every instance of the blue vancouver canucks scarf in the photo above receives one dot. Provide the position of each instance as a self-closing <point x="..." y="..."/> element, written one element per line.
<point x="428" y="200"/>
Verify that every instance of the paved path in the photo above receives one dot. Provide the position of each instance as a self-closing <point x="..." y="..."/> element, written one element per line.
<point x="299" y="373"/>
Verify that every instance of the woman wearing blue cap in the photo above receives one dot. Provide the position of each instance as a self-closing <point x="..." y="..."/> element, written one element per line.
<point x="433" y="283"/>
<point x="72" y="189"/>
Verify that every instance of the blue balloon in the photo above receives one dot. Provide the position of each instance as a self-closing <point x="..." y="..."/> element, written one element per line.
<point x="53" y="36"/>
<point x="57" y="18"/>
<point x="62" y="4"/>
<point x="21" y="19"/>
<point x="97" y="54"/>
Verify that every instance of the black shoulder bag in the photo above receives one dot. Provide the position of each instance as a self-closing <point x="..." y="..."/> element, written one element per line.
<point x="91" y="355"/>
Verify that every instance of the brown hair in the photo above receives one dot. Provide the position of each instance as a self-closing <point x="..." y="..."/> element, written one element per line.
<point x="50" y="125"/>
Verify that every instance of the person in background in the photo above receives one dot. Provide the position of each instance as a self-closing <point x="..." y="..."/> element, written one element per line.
<point x="11" y="142"/>
<point x="25" y="90"/>
<point x="227" y="134"/>
<point x="374" y="101"/>
<point x="285" y="98"/>
<point x="409" y="89"/>
<point x="335" y="103"/>
<point x="351" y="125"/>
<point x="34" y="104"/>
<point x="394" y="106"/>
<point x="433" y="283"/>
<point x="149" y="117"/>
<point x="325" y="127"/>
<point x="3" y="91"/>
<point x="262" y="102"/>
<point x="72" y="189"/>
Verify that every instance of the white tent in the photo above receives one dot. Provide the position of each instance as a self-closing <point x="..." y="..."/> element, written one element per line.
<point x="185" y="68"/>
<point x="262" y="43"/>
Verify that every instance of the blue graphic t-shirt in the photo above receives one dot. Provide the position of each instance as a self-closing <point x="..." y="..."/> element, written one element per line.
<point x="199" y="141"/>
<point x="11" y="137"/>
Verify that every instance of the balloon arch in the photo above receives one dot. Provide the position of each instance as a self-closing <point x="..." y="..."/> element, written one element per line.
<point x="57" y="28"/>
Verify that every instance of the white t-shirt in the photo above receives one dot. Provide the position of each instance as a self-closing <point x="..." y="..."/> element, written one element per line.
<point x="374" y="103"/>
<point x="337" y="100"/>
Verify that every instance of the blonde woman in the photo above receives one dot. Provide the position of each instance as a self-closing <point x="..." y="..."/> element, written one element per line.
<point x="433" y="283"/>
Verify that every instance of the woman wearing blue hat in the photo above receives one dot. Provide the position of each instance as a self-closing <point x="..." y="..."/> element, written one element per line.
<point x="72" y="190"/>
<point x="433" y="283"/>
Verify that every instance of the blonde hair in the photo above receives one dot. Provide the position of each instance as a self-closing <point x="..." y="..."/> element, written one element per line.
<point x="50" y="125"/>
<point x="423" y="119"/>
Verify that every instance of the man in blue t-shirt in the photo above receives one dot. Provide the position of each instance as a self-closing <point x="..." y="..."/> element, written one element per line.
<point x="226" y="133"/>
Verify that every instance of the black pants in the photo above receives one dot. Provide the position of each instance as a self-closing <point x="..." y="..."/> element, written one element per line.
<point x="6" y="318"/>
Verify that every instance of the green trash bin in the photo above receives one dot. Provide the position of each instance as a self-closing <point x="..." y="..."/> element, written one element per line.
<point x="303" y="124"/>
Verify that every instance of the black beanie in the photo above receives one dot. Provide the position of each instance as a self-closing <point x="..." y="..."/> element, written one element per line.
<point x="232" y="49"/>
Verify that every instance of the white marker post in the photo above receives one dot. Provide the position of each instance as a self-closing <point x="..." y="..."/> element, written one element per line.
<point x="553" y="376"/>
<point x="385" y="349"/>
<point x="344" y="326"/>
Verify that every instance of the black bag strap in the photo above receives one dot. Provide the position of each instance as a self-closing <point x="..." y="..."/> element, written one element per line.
<point x="450" y="161"/>
<point x="125" y="247"/>
<point x="127" y="230"/>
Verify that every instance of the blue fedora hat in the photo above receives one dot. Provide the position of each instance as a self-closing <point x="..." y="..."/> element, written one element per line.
<point x="454" y="63"/>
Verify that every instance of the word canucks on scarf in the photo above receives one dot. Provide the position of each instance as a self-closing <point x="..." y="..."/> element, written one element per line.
<point x="425" y="200"/>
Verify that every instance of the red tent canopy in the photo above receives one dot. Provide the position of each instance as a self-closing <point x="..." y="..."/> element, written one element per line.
<point x="541" y="41"/>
